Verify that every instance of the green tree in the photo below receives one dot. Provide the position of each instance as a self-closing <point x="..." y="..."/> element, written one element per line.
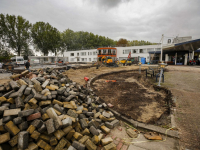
<point x="122" y="42"/>
<point x="46" y="37"/>
<point x="15" y="31"/>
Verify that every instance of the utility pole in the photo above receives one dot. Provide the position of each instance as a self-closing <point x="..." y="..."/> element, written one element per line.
<point x="161" y="48"/>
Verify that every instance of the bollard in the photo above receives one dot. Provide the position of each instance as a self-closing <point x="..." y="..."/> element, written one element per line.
<point x="86" y="80"/>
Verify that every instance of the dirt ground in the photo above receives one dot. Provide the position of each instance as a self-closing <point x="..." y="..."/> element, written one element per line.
<point x="184" y="82"/>
<point x="130" y="97"/>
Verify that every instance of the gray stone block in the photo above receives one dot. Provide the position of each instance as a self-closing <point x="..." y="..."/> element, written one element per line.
<point x="109" y="125"/>
<point x="37" y="123"/>
<point x="27" y="91"/>
<point x="21" y="90"/>
<point x="93" y="130"/>
<point x="23" y="125"/>
<point x="67" y="122"/>
<point x="23" y="139"/>
<point x="6" y="95"/>
<point x="19" y="102"/>
<point x="83" y="123"/>
<point x="26" y="113"/>
<point x="14" y="85"/>
<point x="72" y="113"/>
<point x="17" y="120"/>
<point x="61" y="90"/>
<point x="78" y="145"/>
<point x="45" y="83"/>
<point x="50" y="126"/>
<point x="28" y="98"/>
<point x="42" y="128"/>
<point x="105" y="114"/>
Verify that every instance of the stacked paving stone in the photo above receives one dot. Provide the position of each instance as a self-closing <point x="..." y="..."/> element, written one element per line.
<point x="49" y="111"/>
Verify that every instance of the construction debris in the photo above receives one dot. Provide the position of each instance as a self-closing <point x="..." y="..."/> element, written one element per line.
<point x="46" y="110"/>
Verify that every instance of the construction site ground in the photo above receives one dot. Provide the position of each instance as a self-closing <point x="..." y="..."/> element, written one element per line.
<point x="184" y="82"/>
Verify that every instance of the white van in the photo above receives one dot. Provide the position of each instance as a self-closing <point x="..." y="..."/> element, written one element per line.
<point x="18" y="60"/>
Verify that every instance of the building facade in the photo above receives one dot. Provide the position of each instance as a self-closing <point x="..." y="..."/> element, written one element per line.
<point x="122" y="53"/>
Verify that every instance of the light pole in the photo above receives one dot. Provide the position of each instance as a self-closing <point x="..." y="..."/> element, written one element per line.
<point x="139" y="67"/>
<point x="161" y="48"/>
<point x="162" y="66"/>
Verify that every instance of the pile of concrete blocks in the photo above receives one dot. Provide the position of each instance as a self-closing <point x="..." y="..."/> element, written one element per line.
<point x="49" y="111"/>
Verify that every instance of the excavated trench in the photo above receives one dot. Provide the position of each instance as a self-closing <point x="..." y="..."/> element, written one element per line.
<point x="134" y="96"/>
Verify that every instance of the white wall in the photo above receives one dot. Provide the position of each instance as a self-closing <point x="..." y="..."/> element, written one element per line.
<point x="122" y="53"/>
<point x="81" y="55"/>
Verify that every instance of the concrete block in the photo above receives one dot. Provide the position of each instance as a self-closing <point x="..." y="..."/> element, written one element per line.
<point x="95" y="139"/>
<point x="78" y="145"/>
<point x="72" y="113"/>
<point x="19" y="102"/>
<point x="32" y="101"/>
<point x="67" y="122"/>
<point x="45" y="117"/>
<point x="23" y="139"/>
<point x="32" y="146"/>
<point x="61" y="90"/>
<point x="109" y="125"/>
<point x="90" y="145"/>
<point x="25" y="113"/>
<point x="23" y="126"/>
<point x="11" y="112"/>
<point x="105" y="129"/>
<point x="13" y="141"/>
<point x="67" y="129"/>
<point x="4" y="137"/>
<point x="14" y="85"/>
<point x="57" y="102"/>
<point x="105" y="114"/>
<point x="77" y="136"/>
<point x="93" y="130"/>
<point x="84" y="139"/>
<point x="131" y="133"/>
<point x="106" y="141"/>
<point x="45" y="83"/>
<point x="30" y="129"/>
<point x="83" y="123"/>
<point x="42" y="144"/>
<point x="17" y="120"/>
<point x="53" y="141"/>
<point x="35" y="135"/>
<point x="28" y="98"/>
<point x="42" y="128"/>
<point x="12" y="128"/>
<point x="21" y="90"/>
<point x="110" y="146"/>
<point x="61" y="144"/>
<point x="70" y="134"/>
<point x="85" y="132"/>
<point x="115" y="123"/>
<point x="37" y="123"/>
<point x="27" y="91"/>
<point x="59" y="134"/>
<point x="6" y="95"/>
<point x="50" y="126"/>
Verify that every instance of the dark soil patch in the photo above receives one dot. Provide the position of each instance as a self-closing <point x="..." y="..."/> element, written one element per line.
<point x="132" y="96"/>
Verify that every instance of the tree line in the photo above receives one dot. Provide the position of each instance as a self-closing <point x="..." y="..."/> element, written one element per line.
<point x="18" y="34"/>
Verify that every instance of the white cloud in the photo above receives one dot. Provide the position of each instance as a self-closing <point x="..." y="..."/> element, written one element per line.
<point x="130" y="19"/>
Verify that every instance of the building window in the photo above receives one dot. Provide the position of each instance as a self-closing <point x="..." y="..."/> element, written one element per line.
<point x="104" y="51"/>
<point x="150" y="49"/>
<point x="77" y="54"/>
<point x="71" y="54"/>
<point x="90" y="53"/>
<point x="127" y="51"/>
<point x="85" y="59"/>
<point x="94" y="53"/>
<point x="78" y="59"/>
<point x="71" y="59"/>
<point x="83" y="53"/>
<point x="82" y="59"/>
<point x="90" y="59"/>
<point x="141" y="51"/>
<point x="134" y="51"/>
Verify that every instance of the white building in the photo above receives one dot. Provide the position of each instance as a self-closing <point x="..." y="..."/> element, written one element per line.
<point x="122" y="53"/>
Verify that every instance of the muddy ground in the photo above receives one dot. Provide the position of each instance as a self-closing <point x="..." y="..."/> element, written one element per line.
<point x="131" y="97"/>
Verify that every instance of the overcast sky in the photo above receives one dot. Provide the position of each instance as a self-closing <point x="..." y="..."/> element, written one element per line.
<point x="129" y="19"/>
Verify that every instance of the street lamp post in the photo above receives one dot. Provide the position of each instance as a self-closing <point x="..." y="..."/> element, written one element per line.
<point x="139" y="67"/>
<point x="162" y="66"/>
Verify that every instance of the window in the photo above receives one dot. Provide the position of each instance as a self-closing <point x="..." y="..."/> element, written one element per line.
<point x="71" y="59"/>
<point x="82" y="59"/>
<point x="150" y="49"/>
<point x="20" y="59"/>
<point x="94" y="53"/>
<point x="158" y="49"/>
<point x="90" y="53"/>
<point x="99" y="52"/>
<point x="141" y="50"/>
<point x="134" y="51"/>
<point x="127" y="51"/>
<point x="77" y="54"/>
<point x="90" y="59"/>
<point x="78" y="59"/>
<point x="83" y="53"/>
<point x="85" y="59"/>
<point x="109" y="51"/>
<point x="71" y="54"/>
<point x="95" y="59"/>
<point x="104" y="51"/>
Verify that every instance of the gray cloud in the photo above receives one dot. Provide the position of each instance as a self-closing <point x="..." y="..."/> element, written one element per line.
<point x="130" y="19"/>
